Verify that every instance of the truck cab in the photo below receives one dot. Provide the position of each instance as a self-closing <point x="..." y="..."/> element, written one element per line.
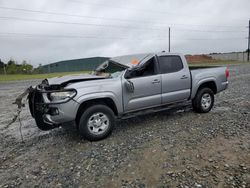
<point x="161" y="79"/>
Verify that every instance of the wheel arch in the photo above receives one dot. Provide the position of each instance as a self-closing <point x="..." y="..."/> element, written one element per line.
<point x="87" y="103"/>
<point x="211" y="84"/>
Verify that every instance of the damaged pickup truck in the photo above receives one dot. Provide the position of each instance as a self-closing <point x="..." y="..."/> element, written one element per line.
<point x="124" y="87"/>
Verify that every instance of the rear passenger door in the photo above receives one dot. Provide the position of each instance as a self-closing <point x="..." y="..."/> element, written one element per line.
<point x="176" y="79"/>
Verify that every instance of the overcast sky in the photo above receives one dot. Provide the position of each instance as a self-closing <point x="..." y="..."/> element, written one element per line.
<point x="86" y="28"/>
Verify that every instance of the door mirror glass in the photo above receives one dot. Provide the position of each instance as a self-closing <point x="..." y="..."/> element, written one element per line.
<point x="128" y="74"/>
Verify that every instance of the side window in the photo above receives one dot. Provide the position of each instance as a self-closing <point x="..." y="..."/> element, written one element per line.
<point x="170" y="64"/>
<point x="148" y="70"/>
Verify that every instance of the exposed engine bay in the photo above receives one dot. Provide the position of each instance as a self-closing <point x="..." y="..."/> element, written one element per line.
<point x="41" y="96"/>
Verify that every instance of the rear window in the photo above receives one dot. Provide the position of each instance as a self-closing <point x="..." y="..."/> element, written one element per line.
<point x="170" y="64"/>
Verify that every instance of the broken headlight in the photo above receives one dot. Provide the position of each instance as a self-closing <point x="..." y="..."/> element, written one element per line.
<point x="61" y="96"/>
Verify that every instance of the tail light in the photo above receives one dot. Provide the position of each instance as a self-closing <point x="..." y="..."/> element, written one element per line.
<point x="227" y="73"/>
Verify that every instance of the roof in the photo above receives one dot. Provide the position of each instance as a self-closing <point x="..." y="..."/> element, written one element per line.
<point x="131" y="60"/>
<point x="77" y="60"/>
<point x="136" y="59"/>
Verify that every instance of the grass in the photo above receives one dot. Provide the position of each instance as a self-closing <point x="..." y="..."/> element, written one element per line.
<point x="14" y="77"/>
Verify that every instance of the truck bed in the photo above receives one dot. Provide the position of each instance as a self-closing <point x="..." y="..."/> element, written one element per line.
<point x="202" y="67"/>
<point x="202" y="74"/>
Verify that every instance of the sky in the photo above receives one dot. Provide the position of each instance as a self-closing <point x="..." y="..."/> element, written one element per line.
<point x="43" y="31"/>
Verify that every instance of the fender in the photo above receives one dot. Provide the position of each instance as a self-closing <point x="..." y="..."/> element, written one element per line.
<point x="100" y="95"/>
<point x="199" y="83"/>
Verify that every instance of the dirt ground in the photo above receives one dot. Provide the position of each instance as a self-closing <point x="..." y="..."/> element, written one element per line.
<point x="198" y="58"/>
<point x="167" y="149"/>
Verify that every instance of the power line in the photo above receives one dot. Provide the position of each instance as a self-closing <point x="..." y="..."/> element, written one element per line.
<point x="113" y="19"/>
<point x="202" y="39"/>
<point x="135" y="9"/>
<point x="210" y="31"/>
<point x="71" y="15"/>
<point x="74" y="36"/>
<point x="105" y="25"/>
<point x="76" y="23"/>
<point x="105" y="37"/>
<point x="129" y="8"/>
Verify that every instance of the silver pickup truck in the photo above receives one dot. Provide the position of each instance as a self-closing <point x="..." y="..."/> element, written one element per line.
<point x="124" y="87"/>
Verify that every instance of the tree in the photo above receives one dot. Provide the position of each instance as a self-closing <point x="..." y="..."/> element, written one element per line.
<point x="2" y="65"/>
<point x="11" y="69"/>
<point x="25" y="68"/>
<point x="11" y="62"/>
<point x="39" y="69"/>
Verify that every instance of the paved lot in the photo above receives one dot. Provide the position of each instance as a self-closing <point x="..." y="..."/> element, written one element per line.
<point x="168" y="149"/>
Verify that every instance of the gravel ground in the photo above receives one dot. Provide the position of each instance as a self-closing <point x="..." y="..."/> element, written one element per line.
<point x="167" y="149"/>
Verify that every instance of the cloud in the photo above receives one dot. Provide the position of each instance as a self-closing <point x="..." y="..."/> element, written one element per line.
<point x="135" y="26"/>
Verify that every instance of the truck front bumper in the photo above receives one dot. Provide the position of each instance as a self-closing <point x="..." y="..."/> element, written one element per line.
<point x="50" y="115"/>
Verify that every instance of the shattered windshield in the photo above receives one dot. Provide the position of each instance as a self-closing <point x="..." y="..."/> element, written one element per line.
<point x="116" y="65"/>
<point x="110" y="68"/>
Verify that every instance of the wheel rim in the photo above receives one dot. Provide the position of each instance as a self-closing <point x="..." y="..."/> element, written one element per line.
<point x="206" y="101"/>
<point x="98" y="123"/>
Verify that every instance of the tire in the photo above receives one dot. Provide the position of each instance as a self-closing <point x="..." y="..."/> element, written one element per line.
<point x="96" y="122"/>
<point x="203" y="101"/>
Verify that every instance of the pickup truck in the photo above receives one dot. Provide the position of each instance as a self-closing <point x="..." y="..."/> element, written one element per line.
<point x="123" y="87"/>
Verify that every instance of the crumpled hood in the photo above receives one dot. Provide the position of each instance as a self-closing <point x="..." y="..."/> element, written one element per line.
<point x="64" y="80"/>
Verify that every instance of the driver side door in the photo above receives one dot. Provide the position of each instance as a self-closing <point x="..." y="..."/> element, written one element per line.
<point x="147" y="88"/>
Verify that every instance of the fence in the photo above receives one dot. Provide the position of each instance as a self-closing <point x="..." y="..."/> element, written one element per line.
<point x="235" y="56"/>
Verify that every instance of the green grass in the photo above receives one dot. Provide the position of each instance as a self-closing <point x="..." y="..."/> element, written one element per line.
<point x="14" y="77"/>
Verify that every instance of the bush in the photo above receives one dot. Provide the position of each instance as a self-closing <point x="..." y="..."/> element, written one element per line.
<point x="14" y="68"/>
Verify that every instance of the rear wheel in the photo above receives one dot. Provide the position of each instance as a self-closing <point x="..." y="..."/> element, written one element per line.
<point x="96" y="122"/>
<point x="203" y="101"/>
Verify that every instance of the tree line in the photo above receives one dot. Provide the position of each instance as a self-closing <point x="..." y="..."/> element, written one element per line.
<point x="13" y="67"/>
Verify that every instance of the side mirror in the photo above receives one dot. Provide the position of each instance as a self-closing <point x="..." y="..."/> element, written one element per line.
<point x="128" y="74"/>
<point x="130" y="86"/>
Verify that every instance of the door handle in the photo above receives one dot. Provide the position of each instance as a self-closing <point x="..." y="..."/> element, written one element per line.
<point x="184" y="77"/>
<point x="156" y="81"/>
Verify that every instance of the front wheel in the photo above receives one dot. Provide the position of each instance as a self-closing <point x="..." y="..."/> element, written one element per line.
<point x="203" y="101"/>
<point x="96" y="122"/>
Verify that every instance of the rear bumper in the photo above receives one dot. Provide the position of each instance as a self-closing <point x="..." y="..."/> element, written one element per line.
<point x="225" y="85"/>
<point x="49" y="115"/>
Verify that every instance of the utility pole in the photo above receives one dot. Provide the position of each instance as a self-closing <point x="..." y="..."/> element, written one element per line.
<point x="248" y="42"/>
<point x="169" y="39"/>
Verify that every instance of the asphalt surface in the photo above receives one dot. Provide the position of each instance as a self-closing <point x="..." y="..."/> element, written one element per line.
<point x="167" y="149"/>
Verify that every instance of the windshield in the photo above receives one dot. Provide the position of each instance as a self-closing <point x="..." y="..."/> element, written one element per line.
<point x="116" y="74"/>
<point x="116" y="65"/>
<point x="110" y="68"/>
